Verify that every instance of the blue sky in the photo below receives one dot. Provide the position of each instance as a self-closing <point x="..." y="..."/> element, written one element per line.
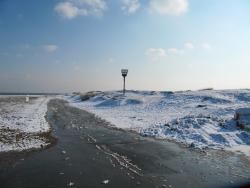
<point x="81" y="45"/>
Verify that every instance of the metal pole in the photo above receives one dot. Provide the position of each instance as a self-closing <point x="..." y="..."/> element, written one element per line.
<point x="123" y="85"/>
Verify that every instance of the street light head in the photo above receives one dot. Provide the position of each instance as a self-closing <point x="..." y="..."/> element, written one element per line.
<point x="124" y="72"/>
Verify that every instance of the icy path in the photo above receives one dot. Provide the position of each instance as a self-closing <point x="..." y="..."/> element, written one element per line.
<point x="202" y="119"/>
<point x="22" y="124"/>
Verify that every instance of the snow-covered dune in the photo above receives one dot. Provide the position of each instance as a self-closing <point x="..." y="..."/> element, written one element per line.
<point x="202" y="119"/>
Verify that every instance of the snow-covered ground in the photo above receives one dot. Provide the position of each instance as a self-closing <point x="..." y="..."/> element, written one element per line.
<point x="22" y="124"/>
<point x="202" y="119"/>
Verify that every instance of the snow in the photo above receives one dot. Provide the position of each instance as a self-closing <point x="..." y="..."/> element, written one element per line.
<point x="26" y="144"/>
<point x="105" y="181"/>
<point x="26" y="117"/>
<point x="243" y="111"/>
<point x="71" y="184"/>
<point x="200" y="119"/>
<point x="22" y="122"/>
<point x="242" y="116"/>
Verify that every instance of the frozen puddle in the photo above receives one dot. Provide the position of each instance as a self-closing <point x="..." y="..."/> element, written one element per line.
<point x="23" y="125"/>
<point x="200" y="119"/>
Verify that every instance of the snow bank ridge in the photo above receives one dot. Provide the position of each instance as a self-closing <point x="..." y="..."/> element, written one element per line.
<point x="202" y="119"/>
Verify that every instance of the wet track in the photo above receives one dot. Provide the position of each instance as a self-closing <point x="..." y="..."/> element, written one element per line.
<point x="88" y="152"/>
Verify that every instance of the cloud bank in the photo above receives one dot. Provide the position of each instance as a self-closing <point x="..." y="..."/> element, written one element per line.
<point x="50" y="48"/>
<point x="73" y="8"/>
<point x="70" y="9"/>
<point x="130" y="6"/>
<point x="155" y="53"/>
<point x="172" y="7"/>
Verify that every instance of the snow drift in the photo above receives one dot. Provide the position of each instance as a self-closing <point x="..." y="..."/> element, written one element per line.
<point x="201" y="119"/>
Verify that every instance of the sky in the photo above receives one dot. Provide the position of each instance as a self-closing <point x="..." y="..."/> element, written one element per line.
<point x="82" y="45"/>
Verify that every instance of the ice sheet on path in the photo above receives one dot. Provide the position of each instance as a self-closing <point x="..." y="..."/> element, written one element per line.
<point x="21" y="123"/>
<point x="202" y="119"/>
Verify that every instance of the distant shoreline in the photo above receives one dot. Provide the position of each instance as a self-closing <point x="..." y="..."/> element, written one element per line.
<point x="31" y="93"/>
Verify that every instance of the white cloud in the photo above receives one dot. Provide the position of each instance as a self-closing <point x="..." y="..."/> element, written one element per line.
<point x="93" y="7"/>
<point x="73" y="8"/>
<point x="155" y="53"/>
<point x="189" y="45"/>
<point x="206" y="46"/>
<point x="175" y="51"/>
<point x="172" y="7"/>
<point x="111" y="60"/>
<point x="130" y="6"/>
<point x="25" y="46"/>
<point x="50" y="48"/>
<point x="67" y="10"/>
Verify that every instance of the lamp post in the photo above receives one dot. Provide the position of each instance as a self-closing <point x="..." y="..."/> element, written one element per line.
<point x="124" y="74"/>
